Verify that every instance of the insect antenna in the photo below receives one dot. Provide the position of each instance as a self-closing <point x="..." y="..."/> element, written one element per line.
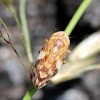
<point x="72" y="37"/>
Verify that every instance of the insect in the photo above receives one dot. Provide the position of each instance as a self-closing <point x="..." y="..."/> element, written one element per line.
<point x="51" y="57"/>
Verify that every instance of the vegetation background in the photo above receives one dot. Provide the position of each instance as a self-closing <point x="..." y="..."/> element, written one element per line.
<point x="44" y="17"/>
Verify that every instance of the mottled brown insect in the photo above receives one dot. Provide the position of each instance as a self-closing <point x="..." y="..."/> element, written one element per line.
<point x="50" y="58"/>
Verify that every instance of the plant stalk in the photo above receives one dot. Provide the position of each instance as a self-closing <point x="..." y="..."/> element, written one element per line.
<point x="9" y="42"/>
<point x="25" y="30"/>
<point x="76" y="17"/>
<point x="30" y="92"/>
<point x="25" y="43"/>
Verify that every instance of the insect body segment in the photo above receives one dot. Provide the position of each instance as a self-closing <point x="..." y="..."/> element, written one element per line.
<point x="50" y="58"/>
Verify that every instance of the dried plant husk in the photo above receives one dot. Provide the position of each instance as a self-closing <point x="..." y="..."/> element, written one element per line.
<point x="87" y="48"/>
<point x="75" y="69"/>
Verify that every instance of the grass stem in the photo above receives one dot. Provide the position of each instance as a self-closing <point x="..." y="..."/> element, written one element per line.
<point x="81" y="9"/>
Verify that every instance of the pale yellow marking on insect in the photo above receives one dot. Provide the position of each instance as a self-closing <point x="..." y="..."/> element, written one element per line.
<point x="42" y="74"/>
<point x="41" y="66"/>
<point x="59" y="63"/>
<point x="41" y="55"/>
<point x="50" y="72"/>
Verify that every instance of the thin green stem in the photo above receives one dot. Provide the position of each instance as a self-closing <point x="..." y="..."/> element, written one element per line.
<point x="30" y="92"/>
<point x="11" y="9"/>
<point x="25" y="28"/>
<point x="32" y="89"/>
<point x="17" y="54"/>
<point x="5" y="28"/>
<point x="77" y="16"/>
<point x="9" y="42"/>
